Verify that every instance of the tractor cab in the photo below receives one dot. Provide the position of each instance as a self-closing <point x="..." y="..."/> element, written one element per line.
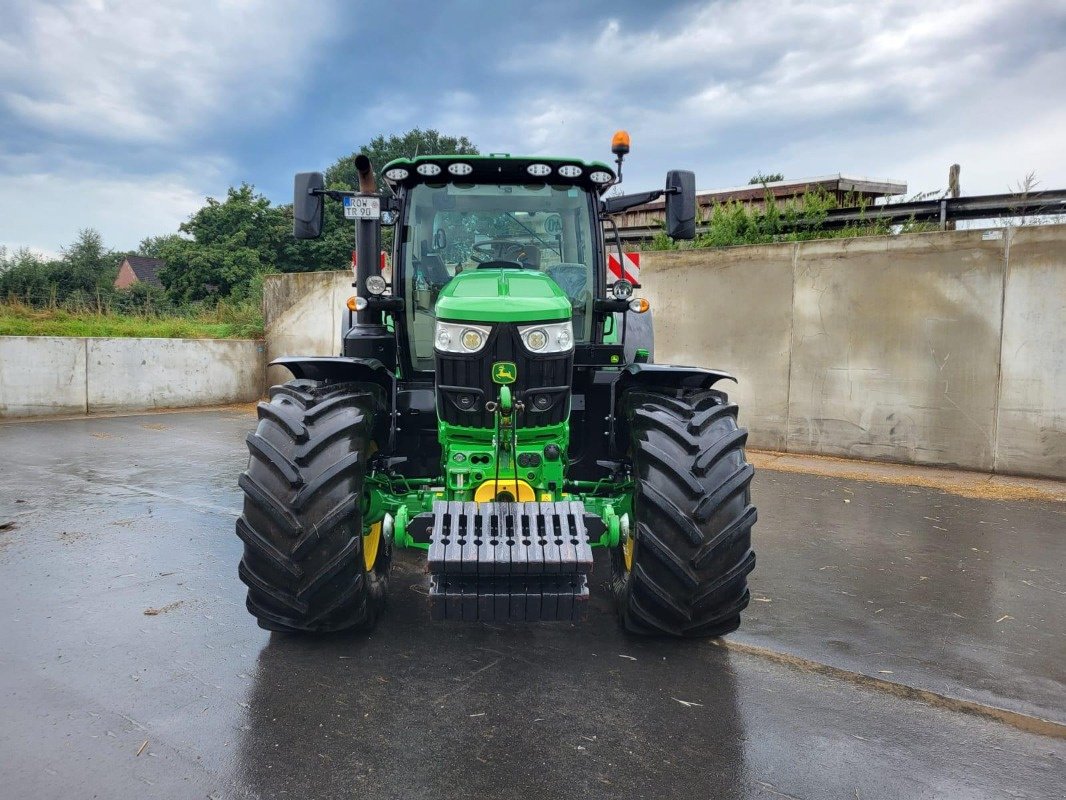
<point x="464" y="214"/>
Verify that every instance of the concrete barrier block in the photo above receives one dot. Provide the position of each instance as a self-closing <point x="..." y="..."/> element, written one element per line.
<point x="140" y="374"/>
<point x="302" y="313"/>
<point x="896" y="348"/>
<point x="41" y="376"/>
<point x="1032" y="400"/>
<point x="729" y="309"/>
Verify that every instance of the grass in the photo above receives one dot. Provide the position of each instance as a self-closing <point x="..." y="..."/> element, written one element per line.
<point x="223" y="322"/>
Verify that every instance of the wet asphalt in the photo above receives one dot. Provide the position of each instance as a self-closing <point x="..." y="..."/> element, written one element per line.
<point x="129" y="667"/>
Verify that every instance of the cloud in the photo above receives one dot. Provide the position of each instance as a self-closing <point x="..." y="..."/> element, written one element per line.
<point x="129" y="71"/>
<point x="120" y="100"/>
<point x="121" y="115"/>
<point x="44" y="207"/>
<point x="811" y="87"/>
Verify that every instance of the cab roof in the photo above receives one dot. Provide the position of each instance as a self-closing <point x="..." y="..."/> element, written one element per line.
<point x="498" y="168"/>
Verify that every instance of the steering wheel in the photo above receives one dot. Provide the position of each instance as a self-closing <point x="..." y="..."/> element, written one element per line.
<point x="505" y="250"/>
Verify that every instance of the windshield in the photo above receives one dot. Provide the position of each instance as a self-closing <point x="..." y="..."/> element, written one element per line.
<point x="454" y="227"/>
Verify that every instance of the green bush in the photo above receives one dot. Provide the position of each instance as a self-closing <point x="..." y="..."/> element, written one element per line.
<point x="735" y="223"/>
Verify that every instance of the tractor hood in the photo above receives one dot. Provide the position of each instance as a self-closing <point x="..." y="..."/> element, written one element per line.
<point x="502" y="295"/>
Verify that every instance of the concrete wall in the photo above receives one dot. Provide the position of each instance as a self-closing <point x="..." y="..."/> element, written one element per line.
<point x="42" y="375"/>
<point x="704" y="316"/>
<point x="1031" y="421"/>
<point x="895" y="349"/>
<point x="937" y="348"/>
<point x="302" y="316"/>
<point x="49" y="375"/>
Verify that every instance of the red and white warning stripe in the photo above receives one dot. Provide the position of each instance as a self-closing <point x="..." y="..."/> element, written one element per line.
<point x="630" y="269"/>
<point x="384" y="265"/>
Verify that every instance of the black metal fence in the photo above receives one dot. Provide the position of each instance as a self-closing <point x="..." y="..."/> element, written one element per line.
<point x="939" y="212"/>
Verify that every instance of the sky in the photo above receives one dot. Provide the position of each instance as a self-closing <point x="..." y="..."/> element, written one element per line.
<point x="124" y="116"/>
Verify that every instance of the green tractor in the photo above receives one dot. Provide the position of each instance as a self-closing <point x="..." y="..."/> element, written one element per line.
<point x="497" y="406"/>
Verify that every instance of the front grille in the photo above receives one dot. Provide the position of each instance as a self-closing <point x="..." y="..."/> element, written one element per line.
<point x="464" y="383"/>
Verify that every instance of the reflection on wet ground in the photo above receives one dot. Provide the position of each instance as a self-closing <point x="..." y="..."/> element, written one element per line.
<point x="113" y="519"/>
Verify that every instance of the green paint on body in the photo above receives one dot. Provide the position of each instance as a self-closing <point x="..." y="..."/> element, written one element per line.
<point x="472" y="456"/>
<point x="502" y="295"/>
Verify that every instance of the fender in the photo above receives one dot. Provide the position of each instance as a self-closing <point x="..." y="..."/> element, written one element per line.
<point x="657" y="376"/>
<point x="345" y="369"/>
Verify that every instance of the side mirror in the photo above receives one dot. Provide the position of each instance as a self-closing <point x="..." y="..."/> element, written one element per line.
<point x="681" y="204"/>
<point x="307" y="208"/>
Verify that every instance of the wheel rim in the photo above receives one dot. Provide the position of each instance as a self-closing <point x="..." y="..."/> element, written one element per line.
<point x="627" y="553"/>
<point x="628" y="542"/>
<point x="371" y="545"/>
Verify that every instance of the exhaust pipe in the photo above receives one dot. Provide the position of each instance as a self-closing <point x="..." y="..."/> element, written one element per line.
<point x="367" y="240"/>
<point x="367" y="182"/>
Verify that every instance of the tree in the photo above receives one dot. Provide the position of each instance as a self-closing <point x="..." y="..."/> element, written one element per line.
<point x="85" y="270"/>
<point x="88" y="266"/>
<point x="333" y="249"/>
<point x="223" y="246"/>
<point x="197" y="271"/>
<point x="152" y="246"/>
<point x="231" y="241"/>
<point x="23" y="274"/>
<point x="381" y="151"/>
<point x="765" y="177"/>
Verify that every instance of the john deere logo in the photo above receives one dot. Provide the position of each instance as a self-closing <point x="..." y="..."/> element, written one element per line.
<point x="504" y="372"/>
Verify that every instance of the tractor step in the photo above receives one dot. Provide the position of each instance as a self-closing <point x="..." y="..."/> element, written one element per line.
<point x="509" y="561"/>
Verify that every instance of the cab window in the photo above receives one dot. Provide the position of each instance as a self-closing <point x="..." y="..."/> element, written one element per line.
<point x="454" y="227"/>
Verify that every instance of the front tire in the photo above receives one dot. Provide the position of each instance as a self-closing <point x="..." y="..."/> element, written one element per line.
<point x="684" y="570"/>
<point x="302" y="525"/>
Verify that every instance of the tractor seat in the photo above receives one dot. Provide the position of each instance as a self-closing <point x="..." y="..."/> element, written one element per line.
<point x="572" y="278"/>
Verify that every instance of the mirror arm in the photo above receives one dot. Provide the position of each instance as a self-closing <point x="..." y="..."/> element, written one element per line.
<point x="608" y="305"/>
<point x="390" y="304"/>
<point x="335" y="194"/>
<point x="615" y="205"/>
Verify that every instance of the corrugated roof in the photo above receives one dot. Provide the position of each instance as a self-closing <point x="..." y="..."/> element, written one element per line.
<point x="837" y="182"/>
<point x="871" y="187"/>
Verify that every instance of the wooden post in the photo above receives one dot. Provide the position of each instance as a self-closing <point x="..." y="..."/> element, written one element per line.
<point x="953" y="189"/>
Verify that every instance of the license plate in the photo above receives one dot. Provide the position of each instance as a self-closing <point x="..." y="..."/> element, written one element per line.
<point x="362" y="208"/>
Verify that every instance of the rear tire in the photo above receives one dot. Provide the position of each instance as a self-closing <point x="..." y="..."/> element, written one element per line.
<point x="691" y="550"/>
<point x="302" y="524"/>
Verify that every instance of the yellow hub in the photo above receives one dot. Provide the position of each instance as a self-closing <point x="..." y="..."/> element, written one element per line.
<point x="371" y="544"/>
<point x="627" y="552"/>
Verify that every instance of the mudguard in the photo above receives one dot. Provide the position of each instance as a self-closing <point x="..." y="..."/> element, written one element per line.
<point x="338" y="369"/>
<point x="655" y="376"/>
<point x="640" y="335"/>
<point x="344" y="369"/>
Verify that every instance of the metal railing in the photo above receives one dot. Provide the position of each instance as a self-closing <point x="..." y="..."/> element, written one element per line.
<point x="940" y="212"/>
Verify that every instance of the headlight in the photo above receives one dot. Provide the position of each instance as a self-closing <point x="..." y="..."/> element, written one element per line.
<point x="558" y="337"/>
<point x="452" y="337"/>
<point x="472" y="339"/>
<point x="536" y="339"/>
<point x="375" y="284"/>
<point x="622" y="289"/>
